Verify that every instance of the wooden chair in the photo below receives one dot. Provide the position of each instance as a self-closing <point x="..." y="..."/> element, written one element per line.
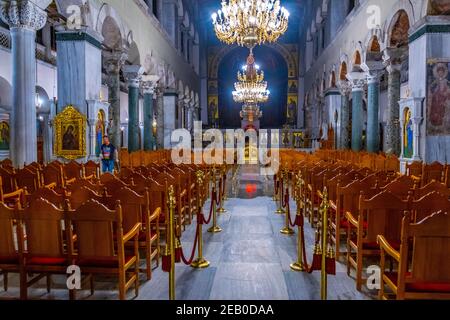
<point x="423" y="263"/>
<point x="402" y="187"/>
<point x="136" y="209"/>
<point x="91" y="170"/>
<point x="72" y="171"/>
<point x="414" y="169"/>
<point x="9" y="184"/>
<point x="431" y="187"/>
<point x="380" y="215"/>
<point x="53" y="176"/>
<point x="10" y="253"/>
<point x="429" y="204"/>
<point x="100" y="245"/>
<point x="79" y="196"/>
<point x="97" y="187"/>
<point x="447" y="175"/>
<point x="28" y="179"/>
<point x="45" y="253"/>
<point x="434" y="171"/>
<point x="347" y="203"/>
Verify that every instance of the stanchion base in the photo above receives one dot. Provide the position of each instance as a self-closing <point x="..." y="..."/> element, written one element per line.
<point x="221" y="210"/>
<point x="274" y="198"/>
<point x="287" y="230"/>
<point x="215" y="229"/>
<point x="200" y="263"/>
<point x="280" y="211"/>
<point x="299" y="267"/>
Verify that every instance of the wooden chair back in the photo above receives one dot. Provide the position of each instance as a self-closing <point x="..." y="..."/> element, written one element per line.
<point x="414" y="169"/>
<point x="430" y="261"/>
<point x="431" y="187"/>
<point x="429" y="204"/>
<point x="82" y="195"/>
<point x="43" y="228"/>
<point x="50" y="195"/>
<point x="434" y="171"/>
<point x="28" y="179"/>
<point x="96" y="228"/>
<point x="9" y="184"/>
<point x="91" y="169"/>
<point x="383" y="214"/>
<point x="73" y="170"/>
<point x="7" y="233"/>
<point x="53" y="174"/>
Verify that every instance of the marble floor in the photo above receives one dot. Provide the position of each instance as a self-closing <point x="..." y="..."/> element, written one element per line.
<point x="249" y="259"/>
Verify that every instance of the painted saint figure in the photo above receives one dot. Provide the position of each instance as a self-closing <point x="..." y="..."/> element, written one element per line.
<point x="440" y="95"/>
<point x="69" y="140"/>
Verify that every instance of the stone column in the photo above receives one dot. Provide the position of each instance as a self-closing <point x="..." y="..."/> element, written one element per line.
<point x="392" y="133"/>
<point x="24" y="19"/>
<point x="190" y="118"/>
<point x="357" y="80"/>
<point x="160" y="118"/>
<point x="133" y="76"/>
<point x="345" y="88"/>
<point x="170" y="99"/>
<point x="114" y="61"/>
<point x="148" y="89"/>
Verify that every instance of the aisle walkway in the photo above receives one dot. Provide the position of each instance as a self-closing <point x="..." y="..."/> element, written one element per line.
<point x="250" y="259"/>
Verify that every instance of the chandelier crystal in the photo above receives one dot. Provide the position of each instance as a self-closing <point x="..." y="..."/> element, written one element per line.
<point x="251" y="88"/>
<point x="250" y="22"/>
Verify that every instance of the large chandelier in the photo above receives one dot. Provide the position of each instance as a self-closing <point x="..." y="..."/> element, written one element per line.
<point x="250" y="22"/>
<point x="251" y="88"/>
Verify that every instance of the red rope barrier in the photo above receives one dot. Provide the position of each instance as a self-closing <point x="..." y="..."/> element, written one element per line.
<point x="213" y="198"/>
<point x="194" y="247"/>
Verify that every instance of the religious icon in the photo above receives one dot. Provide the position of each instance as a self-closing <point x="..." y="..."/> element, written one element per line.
<point x="439" y="98"/>
<point x="4" y="135"/>
<point x="213" y="87"/>
<point x="99" y="131"/>
<point x="70" y="134"/>
<point x="213" y="108"/>
<point x="408" y="135"/>
<point x="291" y="113"/>
<point x="293" y="87"/>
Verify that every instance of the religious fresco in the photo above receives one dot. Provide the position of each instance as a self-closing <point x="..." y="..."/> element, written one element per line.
<point x="99" y="131"/>
<point x="4" y="135"/>
<point x="213" y="87"/>
<point x="408" y="135"/>
<point x="291" y="110"/>
<point x="213" y="108"/>
<point x="293" y="86"/>
<point x="438" y="99"/>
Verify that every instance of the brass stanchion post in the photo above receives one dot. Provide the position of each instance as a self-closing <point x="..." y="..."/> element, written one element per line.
<point x="222" y="195"/>
<point x="278" y="195"/>
<point x="200" y="262"/>
<point x="287" y="229"/>
<point x="324" y="207"/>
<point x="171" y="202"/>
<point x="299" y="265"/>
<point x="214" y="228"/>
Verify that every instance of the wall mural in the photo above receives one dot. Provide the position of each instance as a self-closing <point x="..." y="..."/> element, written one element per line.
<point x="438" y="100"/>
<point x="408" y="135"/>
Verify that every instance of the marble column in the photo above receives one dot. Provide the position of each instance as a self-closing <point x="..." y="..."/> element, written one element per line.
<point x="345" y="88"/>
<point x="373" y="110"/>
<point x="24" y="19"/>
<point x="133" y="76"/>
<point x="113" y="63"/>
<point x="169" y="123"/>
<point x="189" y="117"/>
<point x="160" y="118"/>
<point x="357" y="80"/>
<point x="392" y="134"/>
<point x="148" y="89"/>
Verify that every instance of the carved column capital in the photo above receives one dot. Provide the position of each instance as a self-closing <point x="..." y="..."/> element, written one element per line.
<point x="133" y="75"/>
<point x="114" y="60"/>
<point x="345" y="87"/>
<point x="149" y="84"/>
<point x="25" y="14"/>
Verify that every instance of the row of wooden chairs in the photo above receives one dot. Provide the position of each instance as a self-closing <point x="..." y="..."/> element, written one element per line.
<point x="365" y="204"/>
<point x="50" y="240"/>
<point x="429" y="172"/>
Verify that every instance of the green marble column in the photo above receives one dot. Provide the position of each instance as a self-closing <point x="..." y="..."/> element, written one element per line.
<point x="133" y="75"/>
<point x="373" y="126"/>
<point x="149" y="139"/>
<point x="357" y="120"/>
<point x="393" y="121"/>
<point x="345" y="115"/>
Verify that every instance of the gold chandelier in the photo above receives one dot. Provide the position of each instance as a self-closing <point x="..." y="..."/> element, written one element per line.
<point x="251" y="88"/>
<point x="250" y="22"/>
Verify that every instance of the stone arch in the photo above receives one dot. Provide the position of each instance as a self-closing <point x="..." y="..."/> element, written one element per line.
<point x="134" y="57"/>
<point x="438" y="7"/>
<point x="397" y="35"/>
<point x="343" y="71"/>
<point x="357" y="58"/>
<point x="44" y="100"/>
<point x="401" y="6"/>
<point x="332" y="79"/>
<point x="180" y="89"/>
<point x="289" y="58"/>
<point x="187" y="92"/>
<point x="5" y="94"/>
<point x="110" y="25"/>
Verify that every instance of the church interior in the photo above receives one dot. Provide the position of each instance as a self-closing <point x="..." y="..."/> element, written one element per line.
<point x="224" y="150"/>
